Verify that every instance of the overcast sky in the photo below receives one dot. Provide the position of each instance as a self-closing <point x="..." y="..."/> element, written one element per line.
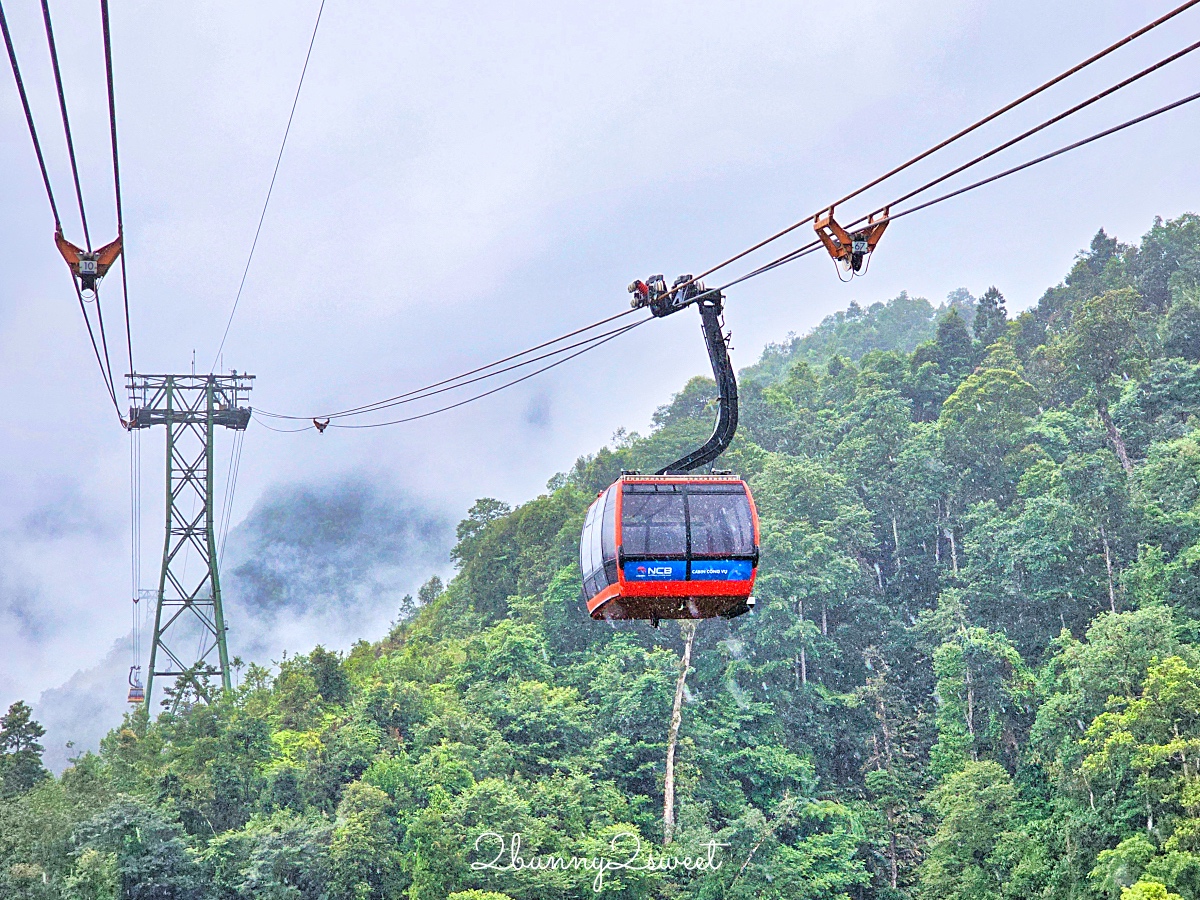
<point x="463" y="180"/>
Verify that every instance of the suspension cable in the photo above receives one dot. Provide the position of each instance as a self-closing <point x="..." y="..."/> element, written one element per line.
<point x="421" y="393"/>
<point x="794" y="255"/>
<point x="225" y="502"/>
<point x="1042" y="126"/>
<point x="106" y="364"/>
<point x="112" y="386"/>
<point x="235" y="464"/>
<point x="108" y="385"/>
<point x="105" y="372"/>
<point x="806" y="249"/>
<point x="448" y="384"/>
<point x="591" y="345"/>
<point x="783" y="260"/>
<point x="308" y="427"/>
<point x="135" y="514"/>
<point x="956" y="136"/>
<point x="1051" y="155"/>
<point x="271" y="187"/>
<point x="37" y="145"/>
<point x="62" y="105"/>
<point x="813" y="246"/>
<point x="618" y="333"/>
<point x="112" y="124"/>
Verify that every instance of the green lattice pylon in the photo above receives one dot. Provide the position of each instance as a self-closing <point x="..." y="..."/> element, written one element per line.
<point x="189" y="620"/>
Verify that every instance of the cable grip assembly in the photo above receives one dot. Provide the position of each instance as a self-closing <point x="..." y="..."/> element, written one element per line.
<point x="850" y="249"/>
<point x="88" y="267"/>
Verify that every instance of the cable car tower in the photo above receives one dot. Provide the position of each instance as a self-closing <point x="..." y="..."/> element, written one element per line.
<point x="189" y="621"/>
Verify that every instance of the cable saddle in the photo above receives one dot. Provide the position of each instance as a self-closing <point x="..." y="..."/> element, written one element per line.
<point x="850" y="249"/>
<point x="88" y="267"/>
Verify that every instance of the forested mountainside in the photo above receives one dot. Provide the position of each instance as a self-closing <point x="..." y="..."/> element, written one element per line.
<point x="899" y="324"/>
<point x="973" y="670"/>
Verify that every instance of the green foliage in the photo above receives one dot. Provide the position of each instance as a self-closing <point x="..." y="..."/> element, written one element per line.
<point x="95" y="876"/>
<point x="1148" y="890"/>
<point x="976" y="806"/>
<point x="991" y="318"/>
<point x="20" y="753"/>
<point x="972" y="670"/>
<point x="1119" y="868"/>
<point x="1110" y="336"/>
<point x="983" y="424"/>
<point x="1181" y="329"/>
<point x="952" y="347"/>
<point x="364" y="859"/>
<point x="899" y="324"/>
<point x="280" y="856"/>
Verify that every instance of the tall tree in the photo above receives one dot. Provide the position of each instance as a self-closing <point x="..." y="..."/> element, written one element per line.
<point x="982" y="423"/>
<point x="1181" y="329"/>
<point x="955" y="351"/>
<point x="20" y="753"/>
<point x="364" y="859"/>
<point x="688" y="632"/>
<point x="1108" y="341"/>
<point x="991" y="318"/>
<point x="976" y="806"/>
<point x="1099" y="491"/>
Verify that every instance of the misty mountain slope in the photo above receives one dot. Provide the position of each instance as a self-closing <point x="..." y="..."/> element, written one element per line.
<point x="308" y="547"/>
<point x="310" y="563"/>
<point x="326" y="563"/>
<point x="85" y="707"/>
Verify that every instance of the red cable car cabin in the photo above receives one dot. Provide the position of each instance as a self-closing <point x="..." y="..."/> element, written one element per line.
<point x="670" y="547"/>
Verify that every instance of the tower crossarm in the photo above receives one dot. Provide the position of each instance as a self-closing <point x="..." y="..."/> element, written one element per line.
<point x="188" y="400"/>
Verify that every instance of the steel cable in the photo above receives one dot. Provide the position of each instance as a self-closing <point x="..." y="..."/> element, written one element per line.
<point x="449" y="384"/>
<point x="112" y="123"/>
<point x="1041" y="126"/>
<point x="618" y="333"/>
<point x="281" y="430"/>
<point x="813" y="246"/>
<point x="1051" y="155"/>
<point x="230" y="491"/>
<point x="62" y="105"/>
<point x="37" y="145"/>
<point x="108" y="385"/>
<point x="271" y="187"/>
<point x="806" y="249"/>
<point x="956" y="136"/>
<point x="591" y="345"/>
<point x="106" y="364"/>
<point x="112" y="386"/>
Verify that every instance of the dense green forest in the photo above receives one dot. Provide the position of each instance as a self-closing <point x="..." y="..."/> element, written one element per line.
<point x="973" y="670"/>
<point x="900" y="324"/>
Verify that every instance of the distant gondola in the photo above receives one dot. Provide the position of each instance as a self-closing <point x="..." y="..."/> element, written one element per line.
<point x="137" y="694"/>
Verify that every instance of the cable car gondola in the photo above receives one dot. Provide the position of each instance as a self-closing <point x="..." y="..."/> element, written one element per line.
<point x="674" y="545"/>
<point x="670" y="547"/>
<point x="137" y="694"/>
